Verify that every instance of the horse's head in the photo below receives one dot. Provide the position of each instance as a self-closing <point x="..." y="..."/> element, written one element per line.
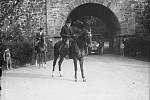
<point x="85" y="37"/>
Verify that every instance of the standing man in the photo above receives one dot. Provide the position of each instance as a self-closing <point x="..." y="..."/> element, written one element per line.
<point x="122" y="46"/>
<point x="7" y="58"/>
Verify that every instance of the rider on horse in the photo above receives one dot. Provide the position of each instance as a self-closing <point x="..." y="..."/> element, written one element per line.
<point x="40" y="45"/>
<point x="39" y="35"/>
<point x="66" y="34"/>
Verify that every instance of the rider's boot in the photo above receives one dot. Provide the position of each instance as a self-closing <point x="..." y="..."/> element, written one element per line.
<point x="67" y="49"/>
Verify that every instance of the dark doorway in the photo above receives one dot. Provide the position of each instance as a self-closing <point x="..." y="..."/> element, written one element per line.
<point x="103" y="21"/>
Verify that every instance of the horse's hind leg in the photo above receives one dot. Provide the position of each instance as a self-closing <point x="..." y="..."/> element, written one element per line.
<point x="81" y="67"/>
<point x="39" y="60"/>
<point x="56" y="55"/>
<point x="60" y="62"/>
<point x="75" y="68"/>
<point x="43" y="59"/>
<point x="54" y="63"/>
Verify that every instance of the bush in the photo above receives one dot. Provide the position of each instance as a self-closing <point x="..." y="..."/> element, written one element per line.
<point x="22" y="52"/>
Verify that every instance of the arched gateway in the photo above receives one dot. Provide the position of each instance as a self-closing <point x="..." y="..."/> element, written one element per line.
<point x="105" y="10"/>
<point x="64" y="9"/>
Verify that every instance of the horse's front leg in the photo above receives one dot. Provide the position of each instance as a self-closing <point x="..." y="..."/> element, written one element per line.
<point x="81" y="67"/>
<point x="43" y="60"/>
<point x="54" y="64"/>
<point x="35" y="60"/>
<point x="75" y="68"/>
<point x="39" y="60"/>
<point x="45" y="57"/>
<point x="60" y="62"/>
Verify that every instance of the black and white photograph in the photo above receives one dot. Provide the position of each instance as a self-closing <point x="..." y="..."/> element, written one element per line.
<point x="74" y="50"/>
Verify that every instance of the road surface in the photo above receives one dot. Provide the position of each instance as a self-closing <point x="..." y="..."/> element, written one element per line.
<point x="109" y="77"/>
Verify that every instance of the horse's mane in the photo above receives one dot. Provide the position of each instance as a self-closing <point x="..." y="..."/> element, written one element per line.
<point x="81" y="40"/>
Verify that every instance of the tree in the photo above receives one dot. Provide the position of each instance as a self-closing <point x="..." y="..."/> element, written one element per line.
<point x="8" y="17"/>
<point x="17" y="16"/>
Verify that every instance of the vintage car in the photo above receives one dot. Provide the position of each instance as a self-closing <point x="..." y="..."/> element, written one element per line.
<point x="94" y="47"/>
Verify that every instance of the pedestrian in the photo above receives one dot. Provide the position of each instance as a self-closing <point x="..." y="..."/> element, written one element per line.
<point x="122" y="46"/>
<point x="102" y="47"/>
<point x="7" y="59"/>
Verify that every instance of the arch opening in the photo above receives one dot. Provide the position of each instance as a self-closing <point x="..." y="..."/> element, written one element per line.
<point x="105" y="16"/>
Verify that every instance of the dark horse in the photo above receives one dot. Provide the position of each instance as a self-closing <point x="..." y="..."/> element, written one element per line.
<point x="76" y="52"/>
<point x="40" y="49"/>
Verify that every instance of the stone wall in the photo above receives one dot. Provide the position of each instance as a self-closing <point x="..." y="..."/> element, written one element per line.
<point x="58" y="10"/>
<point x="52" y="14"/>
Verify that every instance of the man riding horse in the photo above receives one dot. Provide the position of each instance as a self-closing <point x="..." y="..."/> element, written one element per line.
<point x="39" y="35"/>
<point x="66" y="35"/>
<point x="40" y="46"/>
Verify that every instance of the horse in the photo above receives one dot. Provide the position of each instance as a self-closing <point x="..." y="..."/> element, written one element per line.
<point x="76" y="52"/>
<point x="40" y="51"/>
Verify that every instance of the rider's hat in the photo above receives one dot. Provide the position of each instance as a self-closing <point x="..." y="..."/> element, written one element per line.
<point x="40" y="28"/>
<point x="68" y="21"/>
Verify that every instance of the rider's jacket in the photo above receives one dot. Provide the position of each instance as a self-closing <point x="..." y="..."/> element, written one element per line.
<point x="65" y="31"/>
<point x="39" y="36"/>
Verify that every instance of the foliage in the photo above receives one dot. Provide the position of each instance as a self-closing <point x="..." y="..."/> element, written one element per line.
<point x="137" y="46"/>
<point x="22" y="52"/>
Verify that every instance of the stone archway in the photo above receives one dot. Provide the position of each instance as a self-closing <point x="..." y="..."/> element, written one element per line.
<point x="104" y="14"/>
<point x="59" y="10"/>
<point x="110" y="4"/>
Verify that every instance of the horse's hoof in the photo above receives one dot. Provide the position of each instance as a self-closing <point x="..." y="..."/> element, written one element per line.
<point x="75" y="80"/>
<point x="60" y="75"/>
<point x="53" y="74"/>
<point x="84" y="80"/>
